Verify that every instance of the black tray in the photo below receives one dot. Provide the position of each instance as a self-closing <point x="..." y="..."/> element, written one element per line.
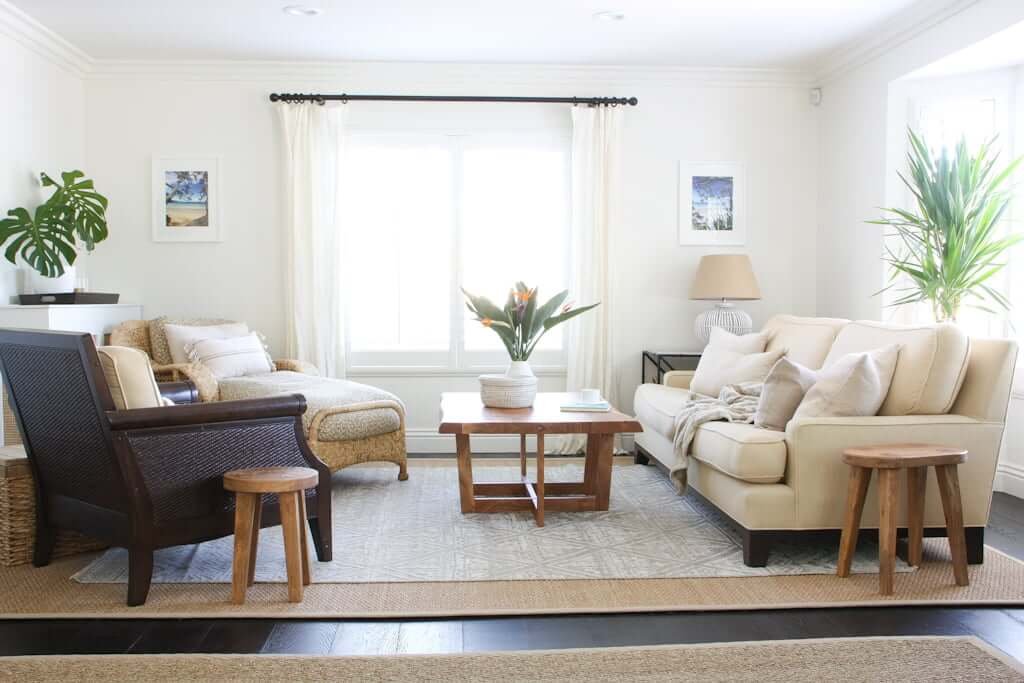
<point x="68" y="298"/>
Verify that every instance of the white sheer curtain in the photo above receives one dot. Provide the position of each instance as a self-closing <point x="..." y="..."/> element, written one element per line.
<point x="312" y="148"/>
<point x="595" y="188"/>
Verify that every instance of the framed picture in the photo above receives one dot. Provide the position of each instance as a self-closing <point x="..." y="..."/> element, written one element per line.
<point x="186" y="199"/>
<point x="711" y="205"/>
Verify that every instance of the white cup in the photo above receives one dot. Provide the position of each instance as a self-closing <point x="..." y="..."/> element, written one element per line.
<point x="590" y="395"/>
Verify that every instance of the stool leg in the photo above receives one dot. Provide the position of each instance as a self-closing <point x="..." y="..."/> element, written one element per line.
<point x="289" y="504"/>
<point x="857" y="489"/>
<point x="917" y="478"/>
<point x="949" y="488"/>
<point x="257" y="519"/>
<point x="888" y="492"/>
<point x="302" y="535"/>
<point x="244" y="504"/>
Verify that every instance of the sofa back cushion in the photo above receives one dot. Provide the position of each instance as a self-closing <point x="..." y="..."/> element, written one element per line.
<point x="807" y="340"/>
<point x="931" y="366"/>
<point x="853" y="386"/>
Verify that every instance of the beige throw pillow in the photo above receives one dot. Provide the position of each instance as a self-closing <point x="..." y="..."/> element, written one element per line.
<point x="235" y="357"/>
<point x="754" y="342"/>
<point x="852" y="386"/>
<point x="181" y="336"/>
<point x="718" y="367"/>
<point x="783" y="391"/>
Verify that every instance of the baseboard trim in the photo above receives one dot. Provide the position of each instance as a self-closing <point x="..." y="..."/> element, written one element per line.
<point x="1010" y="479"/>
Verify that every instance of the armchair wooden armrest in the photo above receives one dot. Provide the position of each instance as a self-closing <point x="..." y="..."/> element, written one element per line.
<point x="197" y="373"/>
<point x="208" y="413"/>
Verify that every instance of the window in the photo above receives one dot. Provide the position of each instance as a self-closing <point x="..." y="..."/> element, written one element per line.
<point x="428" y="213"/>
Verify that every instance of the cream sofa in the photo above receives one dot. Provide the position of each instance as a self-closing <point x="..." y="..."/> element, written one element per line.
<point x="947" y="389"/>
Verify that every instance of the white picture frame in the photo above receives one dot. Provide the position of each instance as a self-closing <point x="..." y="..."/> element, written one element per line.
<point x="193" y="214"/>
<point x="712" y="194"/>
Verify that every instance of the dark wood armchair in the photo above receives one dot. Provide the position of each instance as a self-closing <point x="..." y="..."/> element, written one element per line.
<point x="147" y="478"/>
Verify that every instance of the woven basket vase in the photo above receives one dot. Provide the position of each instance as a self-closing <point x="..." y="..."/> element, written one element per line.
<point x="502" y="391"/>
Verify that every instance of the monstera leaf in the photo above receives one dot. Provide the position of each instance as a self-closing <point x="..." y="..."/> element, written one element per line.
<point x="44" y="241"/>
<point x="87" y="208"/>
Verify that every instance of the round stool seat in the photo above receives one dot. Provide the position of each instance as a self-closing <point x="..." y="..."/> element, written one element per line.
<point x="271" y="479"/>
<point x="900" y="456"/>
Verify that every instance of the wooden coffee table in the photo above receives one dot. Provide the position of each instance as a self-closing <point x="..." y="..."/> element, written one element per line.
<point x="463" y="414"/>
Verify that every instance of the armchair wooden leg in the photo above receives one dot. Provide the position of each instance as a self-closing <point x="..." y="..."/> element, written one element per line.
<point x="140" y="574"/>
<point x="323" y="541"/>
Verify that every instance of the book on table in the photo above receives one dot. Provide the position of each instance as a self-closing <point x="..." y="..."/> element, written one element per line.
<point x="601" y="406"/>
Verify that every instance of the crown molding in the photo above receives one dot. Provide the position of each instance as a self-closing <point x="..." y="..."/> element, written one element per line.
<point x="441" y="74"/>
<point x="29" y="33"/>
<point x="869" y="46"/>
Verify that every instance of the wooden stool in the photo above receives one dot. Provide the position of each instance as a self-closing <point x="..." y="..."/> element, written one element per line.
<point x="889" y="460"/>
<point x="290" y="484"/>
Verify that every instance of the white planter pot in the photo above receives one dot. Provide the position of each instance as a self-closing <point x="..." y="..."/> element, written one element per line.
<point x="515" y="389"/>
<point x="39" y="284"/>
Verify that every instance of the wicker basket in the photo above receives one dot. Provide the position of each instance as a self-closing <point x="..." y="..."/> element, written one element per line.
<point x="18" y="514"/>
<point x="502" y="391"/>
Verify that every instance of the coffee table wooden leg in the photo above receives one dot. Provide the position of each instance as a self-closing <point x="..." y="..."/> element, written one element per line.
<point x="917" y="478"/>
<point x="949" y="489"/>
<point x="244" y="503"/>
<point x="605" y="447"/>
<point x="522" y="454"/>
<point x="301" y="495"/>
<point x="888" y="492"/>
<point x="465" y="472"/>
<point x="289" y="503"/>
<point x="590" y="465"/>
<point x="257" y="514"/>
<point x="539" y="487"/>
<point x="857" y="489"/>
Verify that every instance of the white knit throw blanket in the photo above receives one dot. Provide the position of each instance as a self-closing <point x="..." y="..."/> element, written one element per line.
<point x="735" y="403"/>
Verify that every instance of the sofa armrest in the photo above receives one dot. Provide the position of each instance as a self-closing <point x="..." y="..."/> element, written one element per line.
<point x="819" y="477"/>
<point x="679" y="379"/>
<point x="292" y="365"/>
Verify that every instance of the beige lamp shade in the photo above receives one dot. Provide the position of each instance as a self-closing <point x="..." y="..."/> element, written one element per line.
<point x="725" y="276"/>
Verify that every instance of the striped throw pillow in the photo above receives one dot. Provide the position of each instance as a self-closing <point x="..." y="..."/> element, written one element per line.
<point x="232" y="357"/>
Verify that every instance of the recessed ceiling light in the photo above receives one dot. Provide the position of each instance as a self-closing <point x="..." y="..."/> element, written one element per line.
<point x="610" y="15"/>
<point x="301" y="10"/>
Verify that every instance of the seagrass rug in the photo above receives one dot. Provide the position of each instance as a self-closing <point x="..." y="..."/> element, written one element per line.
<point x="402" y="549"/>
<point x="845" y="659"/>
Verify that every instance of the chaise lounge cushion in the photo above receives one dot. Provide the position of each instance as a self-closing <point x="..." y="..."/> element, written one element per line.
<point x="742" y="451"/>
<point x="322" y="393"/>
<point x="931" y="366"/>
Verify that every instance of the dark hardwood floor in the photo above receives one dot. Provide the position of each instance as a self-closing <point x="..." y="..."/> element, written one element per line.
<point x="1003" y="627"/>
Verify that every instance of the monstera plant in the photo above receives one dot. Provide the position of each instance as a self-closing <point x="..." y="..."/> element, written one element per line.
<point x="49" y="238"/>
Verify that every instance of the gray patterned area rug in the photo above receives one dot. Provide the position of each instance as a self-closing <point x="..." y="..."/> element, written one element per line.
<point x="391" y="531"/>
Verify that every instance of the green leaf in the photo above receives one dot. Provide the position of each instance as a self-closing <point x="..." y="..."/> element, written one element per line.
<point x="41" y="240"/>
<point x="87" y="208"/>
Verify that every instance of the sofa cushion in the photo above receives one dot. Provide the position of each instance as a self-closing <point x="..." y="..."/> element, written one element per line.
<point x="322" y="393"/>
<point x="931" y="366"/>
<point x="807" y="340"/>
<point x="656" y="407"/>
<point x="742" y="451"/>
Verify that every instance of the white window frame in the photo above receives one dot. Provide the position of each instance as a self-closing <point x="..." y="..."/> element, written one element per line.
<point x="457" y="360"/>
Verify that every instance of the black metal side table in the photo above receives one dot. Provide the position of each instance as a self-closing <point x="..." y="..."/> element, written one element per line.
<point x="655" y="364"/>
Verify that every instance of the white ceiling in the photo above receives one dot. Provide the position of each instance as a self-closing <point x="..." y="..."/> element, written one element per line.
<point x="792" y="34"/>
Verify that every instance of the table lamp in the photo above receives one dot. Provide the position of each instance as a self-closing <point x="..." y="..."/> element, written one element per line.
<point x="721" y="278"/>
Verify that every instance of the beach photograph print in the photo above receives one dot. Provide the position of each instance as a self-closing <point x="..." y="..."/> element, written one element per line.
<point x="187" y="199"/>
<point x="712" y="205"/>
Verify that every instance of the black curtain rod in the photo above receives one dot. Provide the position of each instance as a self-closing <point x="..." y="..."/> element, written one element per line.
<point x="322" y="99"/>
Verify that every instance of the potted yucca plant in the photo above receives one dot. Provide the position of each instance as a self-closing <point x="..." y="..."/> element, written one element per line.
<point x="520" y="325"/>
<point x="951" y="244"/>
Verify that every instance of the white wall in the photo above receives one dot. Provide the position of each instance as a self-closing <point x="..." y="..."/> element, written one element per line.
<point x="762" y="121"/>
<point x="41" y="120"/>
<point x="861" y="136"/>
